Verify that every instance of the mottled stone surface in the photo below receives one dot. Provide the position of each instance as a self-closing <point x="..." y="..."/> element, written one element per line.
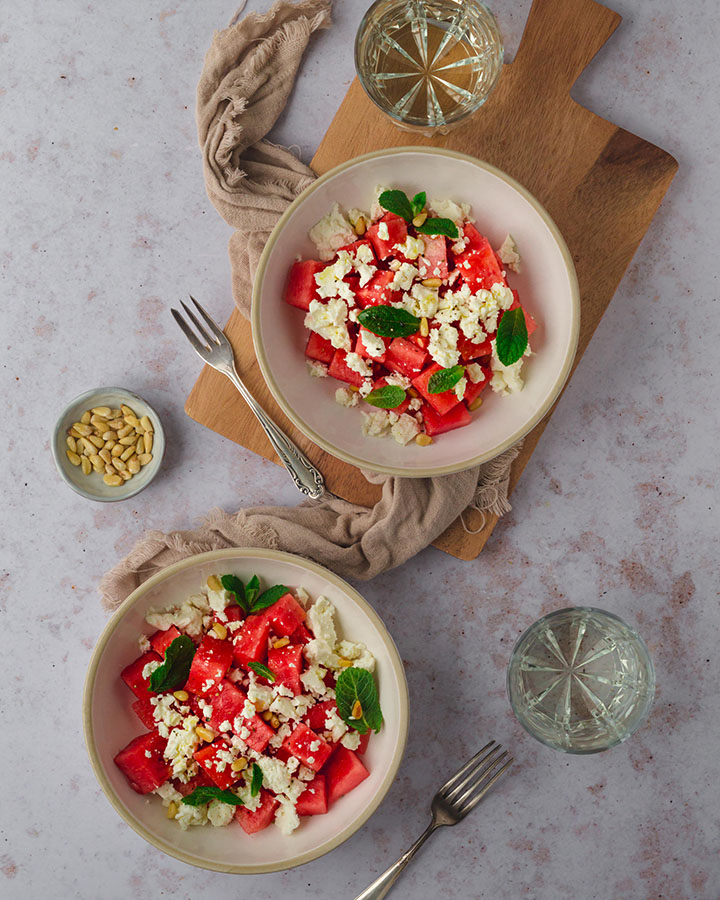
<point x="106" y="224"/>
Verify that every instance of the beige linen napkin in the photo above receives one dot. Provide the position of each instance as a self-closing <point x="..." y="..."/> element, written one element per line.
<point x="248" y="74"/>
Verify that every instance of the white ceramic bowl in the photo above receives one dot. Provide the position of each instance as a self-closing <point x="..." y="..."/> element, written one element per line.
<point x="92" y="486"/>
<point x="110" y="723"/>
<point x="547" y="286"/>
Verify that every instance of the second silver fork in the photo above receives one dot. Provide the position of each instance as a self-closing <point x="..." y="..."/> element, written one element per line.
<point x="217" y="352"/>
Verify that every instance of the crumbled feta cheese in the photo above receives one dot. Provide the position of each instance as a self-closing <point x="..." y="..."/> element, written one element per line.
<point x="330" y="281"/>
<point x="351" y="740"/>
<point x="335" y="725"/>
<point x="400" y="380"/>
<point x="373" y="344"/>
<point x="354" y="215"/>
<point x="226" y="725"/>
<point x="305" y="773"/>
<point x="421" y="301"/>
<point x="508" y="253"/>
<point x="312" y="679"/>
<point x="366" y="387"/>
<point x="460" y="388"/>
<point x="181" y="745"/>
<point x="150" y="667"/>
<point x="144" y="643"/>
<point x="278" y="738"/>
<point x="321" y="621"/>
<point x="219" y="601"/>
<point x="281" y="690"/>
<point x="383" y="232"/>
<point x="411" y="248"/>
<point x="355" y="362"/>
<point x="415" y="404"/>
<point x="329" y="321"/>
<point x="377" y="423"/>
<point x="363" y="262"/>
<point x="443" y="346"/>
<point x="302" y="596"/>
<point x="259" y="693"/>
<point x="286" y="817"/>
<point x="167" y="713"/>
<point x="377" y="211"/>
<point x="448" y="209"/>
<point x="205" y="708"/>
<point x="283" y="708"/>
<point x="276" y="777"/>
<point x="148" y="754"/>
<point x="248" y="710"/>
<point x="220" y="813"/>
<point x="505" y="379"/>
<point x="345" y="397"/>
<point x="316" y="369"/>
<point x="331" y="232"/>
<point x="358" y="652"/>
<point x="460" y="244"/>
<point x="302" y="704"/>
<point x="292" y="764"/>
<point x="168" y="793"/>
<point x="404" y="276"/>
<point x="405" y="429"/>
<point x="187" y="617"/>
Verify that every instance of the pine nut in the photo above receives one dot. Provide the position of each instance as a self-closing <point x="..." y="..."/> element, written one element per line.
<point x="214" y="583"/>
<point x="124" y="431"/>
<point x="125" y="475"/>
<point x="412" y="392"/>
<point x="146" y="424"/>
<point x="104" y="454"/>
<point x="130" y="451"/>
<point x="109" y="436"/>
<point x="71" y="443"/>
<point x="205" y="734"/>
<point x="424" y="327"/>
<point x="112" y="480"/>
<point x="73" y="457"/>
<point x="148" y="441"/>
<point x="126" y="411"/>
<point x="259" y="706"/>
<point x="432" y="282"/>
<point x="354" y="388"/>
<point x="134" y="465"/>
<point x="274" y="721"/>
<point x="357" y="710"/>
<point x="419" y="219"/>
<point x="115" y="413"/>
<point x="360" y="226"/>
<point x="144" y="458"/>
<point x="475" y="404"/>
<point x="281" y="642"/>
<point x="182" y="696"/>
<point x="266" y="715"/>
<point x="423" y="439"/>
<point x="117" y="423"/>
<point x="96" y="460"/>
<point x="237" y="765"/>
<point x="103" y="411"/>
<point x="99" y="421"/>
<point x="82" y="429"/>
<point x="73" y="432"/>
<point x="110" y="444"/>
<point x="85" y="418"/>
<point x="345" y="663"/>
<point x="140" y="446"/>
<point x="131" y="420"/>
<point x="119" y="464"/>
<point x="86" y="465"/>
<point x="109" y="470"/>
<point x="98" y="441"/>
<point x="87" y="445"/>
<point x="127" y="441"/>
<point x="220" y="630"/>
<point x="117" y="450"/>
<point x="172" y="809"/>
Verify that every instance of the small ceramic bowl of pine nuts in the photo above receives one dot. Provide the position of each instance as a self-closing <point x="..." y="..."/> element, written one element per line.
<point x="108" y="444"/>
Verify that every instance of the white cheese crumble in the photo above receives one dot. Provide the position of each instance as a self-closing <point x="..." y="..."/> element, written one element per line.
<point x="329" y="321"/>
<point x="377" y="211"/>
<point x="405" y="429"/>
<point x="421" y="301"/>
<point x="505" y="379"/>
<point x="220" y="813"/>
<point x="443" y="346"/>
<point x="144" y="643"/>
<point x="475" y="373"/>
<point x="334" y="725"/>
<point x="411" y="248"/>
<point x="345" y="397"/>
<point x="276" y="777"/>
<point x="219" y="601"/>
<point x="286" y="817"/>
<point x="181" y="745"/>
<point x="356" y="363"/>
<point x="373" y="344"/>
<point x="448" y="209"/>
<point x="400" y="380"/>
<point x="366" y="387"/>
<point x="316" y="369"/>
<point x="377" y="423"/>
<point x="508" y="253"/>
<point x="383" y="232"/>
<point x="331" y="233"/>
<point x="460" y="388"/>
<point x="259" y="693"/>
<point x="167" y="713"/>
<point x="312" y="679"/>
<point x="404" y="276"/>
<point x="150" y="667"/>
<point x="188" y="617"/>
<point x="358" y="652"/>
<point x="351" y="740"/>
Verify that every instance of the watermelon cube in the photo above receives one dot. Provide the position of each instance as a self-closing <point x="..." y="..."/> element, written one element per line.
<point x="312" y="750"/>
<point x="474" y="389"/>
<point x="187" y="787"/>
<point x="232" y="614"/>
<point x="250" y="642"/>
<point x="252" y="822"/>
<point x="301" y="286"/>
<point x="144" y="710"/>
<point x="285" y="615"/>
<point x="339" y="369"/>
<point x="301" y="635"/>
<point x="363" y="745"/>
<point x="361" y="350"/>
<point x="470" y="350"/>
<point x="478" y="264"/>
<point x="142" y="762"/>
<point x="213" y="758"/>
<point x="313" y="801"/>
<point x="405" y="357"/>
<point x="260" y="733"/>
<point x="435" y="424"/>
<point x="397" y="234"/>
<point x="286" y="664"/>
<point x="133" y="676"/>
<point x="318" y="348"/>
<point x="344" y="772"/>
<point x="227" y="703"/>
<point x="378" y="291"/>
<point x="433" y="262"/>
<point x="211" y="661"/>
<point x="317" y="714"/>
<point x="530" y="323"/>
<point x="161" y="640"/>
<point x="356" y="245"/>
<point x="441" y="403"/>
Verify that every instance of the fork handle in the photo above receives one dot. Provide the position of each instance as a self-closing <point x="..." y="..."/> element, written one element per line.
<point x="382" y="885"/>
<point x="308" y="480"/>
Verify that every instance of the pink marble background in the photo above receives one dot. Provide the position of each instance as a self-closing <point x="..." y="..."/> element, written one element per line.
<point x="106" y="224"/>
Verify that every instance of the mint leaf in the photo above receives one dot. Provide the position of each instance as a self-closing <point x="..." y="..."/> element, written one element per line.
<point x="263" y="671"/>
<point x="175" y="670"/>
<point x="233" y="584"/>
<point x="252" y="589"/>
<point x="439" y="226"/>
<point x="387" y="397"/>
<point x="512" y="337"/>
<point x="445" y="379"/>
<point x="257" y="780"/>
<point x="396" y="202"/>
<point x="206" y="793"/>
<point x="389" y="321"/>
<point x="355" y="685"/>
<point x="418" y="202"/>
<point x="268" y="597"/>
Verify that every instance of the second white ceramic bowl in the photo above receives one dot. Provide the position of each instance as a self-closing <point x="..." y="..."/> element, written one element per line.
<point x="547" y="286"/>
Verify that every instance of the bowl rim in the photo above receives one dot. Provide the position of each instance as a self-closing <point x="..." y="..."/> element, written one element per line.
<point x="159" y="432"/>
<point x="432" y="471"/>
<point x="280" y="556"/>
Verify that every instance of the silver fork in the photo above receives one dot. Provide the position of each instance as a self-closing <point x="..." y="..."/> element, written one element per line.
<point x="455" y="799"/>
<point x="217" y="352"/>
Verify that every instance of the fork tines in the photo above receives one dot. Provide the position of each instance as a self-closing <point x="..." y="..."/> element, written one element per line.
<point x="215" y="339"/>
<point x="469" y="785"/>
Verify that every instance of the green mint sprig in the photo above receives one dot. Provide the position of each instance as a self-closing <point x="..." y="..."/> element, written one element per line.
<point x="418" y="202"/>
<point x="390" y="396"/>
<point x="206" y="793"/>
<point x="445" y="227"/>
<point x="397" y="202"/>
<point x="257" y="780"/>
<point x="262" y="670"/>
<point x="512" y="337"/>
<point x="357" y="700"/>
<point x="445" y="379"/>
<point x="389" y="321"/>
<point x="248" y="596"/>
<point x="175" y="669"/>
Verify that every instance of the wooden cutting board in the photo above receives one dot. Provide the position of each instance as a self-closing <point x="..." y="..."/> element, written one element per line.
<point x="600" y="183"/>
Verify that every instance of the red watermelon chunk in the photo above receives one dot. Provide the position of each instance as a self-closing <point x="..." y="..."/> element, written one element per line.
<point x="260" y="733"/>
<point x="285" y="615"/>
<point x="441" y="403"/>
<point x="377" y="291"/>
<point x="313" y="801"/>
<point x="211" y="661"/>
<point x="433" y="262"/>
<point x="232" y="614"/>
<point x="478" y="264"/>
<point x="435" y="424"/>
<point x="252" y="822"/>
<point x="344" y="772"/>
<point x="300" y="636"/>
<point x="339" y="369"/>
<point x="470" y="350"/>
<point x="227" y="703"/>
<point x="317" y="714"/>
<point x="312" y="750"/>
<point x="144" y="772"/>
<point x="318" y="348"/>
<point x="286" y="664"/>
<point x="356" y="245"/>
<point x="250" y="642"/>
<point x="214" y="759"/>
<point x="530" y="323"/>
<point x="161" y="640"/>
<point x="187" y="787"/>
<point x="363" y="745"/>
<point x="405" y="357"/>
<point x="301" y="286"/>
<point x="473" y="389"/>
<point x="397" y="234"/>
<point x="133" y="676"/>
<point x="144" y="710"/>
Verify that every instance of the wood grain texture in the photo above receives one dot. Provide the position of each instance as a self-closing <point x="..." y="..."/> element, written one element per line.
<point x="601" y="184"/>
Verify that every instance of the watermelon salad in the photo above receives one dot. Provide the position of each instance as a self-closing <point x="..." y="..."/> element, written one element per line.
<point x="410" y="308"/>
<point x="255" y="711"/>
